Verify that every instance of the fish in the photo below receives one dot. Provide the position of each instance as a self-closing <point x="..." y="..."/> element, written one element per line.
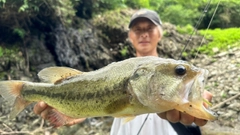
<point x="121" y="89"/>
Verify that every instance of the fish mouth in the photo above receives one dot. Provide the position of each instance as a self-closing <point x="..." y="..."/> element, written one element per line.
<point x="211" y="114"/>
<point x="197" y="110"/>
<point x="205" y="104"/>
<point x="195" y="99"/>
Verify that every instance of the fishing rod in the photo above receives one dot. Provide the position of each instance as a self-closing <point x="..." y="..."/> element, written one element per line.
<point x="210" y="22"/>
<point x="196" y="27"/>
<point x="189" y="40"/>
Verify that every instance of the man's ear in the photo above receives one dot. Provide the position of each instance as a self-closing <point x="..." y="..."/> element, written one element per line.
<point x="129" y="36"/>
<point x="159" y="37"/>
<point x="160" y="34"/>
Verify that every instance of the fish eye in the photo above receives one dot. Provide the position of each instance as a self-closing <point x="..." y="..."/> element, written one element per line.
<point x="180" y="70"/>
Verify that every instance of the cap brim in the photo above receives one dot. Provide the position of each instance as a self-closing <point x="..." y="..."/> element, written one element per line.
<point x="135" y="19"/>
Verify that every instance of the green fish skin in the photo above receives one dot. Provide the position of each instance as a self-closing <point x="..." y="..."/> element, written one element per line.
<point x="121" y="89"/>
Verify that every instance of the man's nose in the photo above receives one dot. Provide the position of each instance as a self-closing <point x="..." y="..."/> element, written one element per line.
<point x="144" y="34"/>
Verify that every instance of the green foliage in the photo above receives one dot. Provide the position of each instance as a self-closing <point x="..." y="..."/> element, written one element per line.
<point x="20" y="32"/>
<point x="138" y="3"/>
<point x="184" y="54"/>
<point x="178" y="12"/>
<point x="1" y="51"/>
<point x="105" y="5"/>
<point x="3" y="1"/>
<point x="179" y="15"/>
<point x="24" y="6"/>
<point x="63" y="8"/>
<point x="188" y="29"/>
<point x="115" y="19"/>
<point x="10" y="56"/>
<point x="124" y="51"/>
<point x="8" y="52"/>
<point x="113" y="24"/>
<point x="222" y="39"/>
<point x="156" y="4"/>
<point x="227" y="15"/>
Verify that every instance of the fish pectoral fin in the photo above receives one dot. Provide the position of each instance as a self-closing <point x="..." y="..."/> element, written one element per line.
<point x="57" y="119"/>
<point x="57" y="74"/>
<point x="127" y="119"/>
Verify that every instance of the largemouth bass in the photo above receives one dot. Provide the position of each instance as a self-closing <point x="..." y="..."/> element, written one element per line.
<point x="122" y="89"/>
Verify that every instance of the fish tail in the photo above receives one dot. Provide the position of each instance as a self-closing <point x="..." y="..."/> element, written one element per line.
<point x="11" y="91"/>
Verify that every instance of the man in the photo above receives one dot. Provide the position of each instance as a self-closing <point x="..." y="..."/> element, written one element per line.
<point x="144" y="34"/>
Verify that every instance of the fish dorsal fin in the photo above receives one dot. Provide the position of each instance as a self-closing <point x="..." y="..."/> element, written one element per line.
<point x="57" y="74"/>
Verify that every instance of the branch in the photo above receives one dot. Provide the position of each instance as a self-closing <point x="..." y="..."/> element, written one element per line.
<point x="225" y="101"/>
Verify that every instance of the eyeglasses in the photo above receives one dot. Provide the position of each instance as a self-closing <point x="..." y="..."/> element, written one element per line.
<point x="138" y="30"/>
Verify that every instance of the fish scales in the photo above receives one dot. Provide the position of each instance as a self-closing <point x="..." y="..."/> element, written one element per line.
<point x="121" y="89"/>
<point x="96" y="93"/>
<point x="70" y="100"/>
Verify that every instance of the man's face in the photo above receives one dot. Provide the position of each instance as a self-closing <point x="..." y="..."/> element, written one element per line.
<point x="144" y="35"/>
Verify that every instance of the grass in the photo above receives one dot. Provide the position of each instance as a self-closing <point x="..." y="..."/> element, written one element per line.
<point x="188" y="29"/>
<point x="220" y="40"/>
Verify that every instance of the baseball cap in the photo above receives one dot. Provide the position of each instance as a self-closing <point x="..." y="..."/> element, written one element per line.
<point x="146" y="13"/>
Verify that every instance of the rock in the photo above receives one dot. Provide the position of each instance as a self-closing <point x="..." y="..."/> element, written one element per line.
<point x="234" y="106"/>
<point x="231" y="92"/>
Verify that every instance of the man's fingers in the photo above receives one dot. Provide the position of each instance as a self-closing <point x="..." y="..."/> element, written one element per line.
<point x="200" y="122"/>
<point x="39" y="107"/>
<point x="163" y="115"/>
<point x="186" y="119"/>
<point x="42" y="109"/>
<point x="173" y="116"/>
<point x="207" y="95"/>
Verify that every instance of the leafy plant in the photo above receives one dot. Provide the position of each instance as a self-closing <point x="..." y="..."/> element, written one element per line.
<point x="184" y="54"/>
<point x="222" y="39"/>
<point x="24" y="6"/>
<point x="20" y="32"/>
<point x="124" y="51"/>
<point x="8" y="52"/>
<point x="1" y="51"/>
<point x="188" y="29"/>
<point x="2" y="3"/>
<point x="138" y="3"/>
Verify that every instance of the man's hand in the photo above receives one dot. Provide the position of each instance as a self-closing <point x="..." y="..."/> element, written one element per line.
<point x="176" y="116"/>
<point x="44" y="110"/>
